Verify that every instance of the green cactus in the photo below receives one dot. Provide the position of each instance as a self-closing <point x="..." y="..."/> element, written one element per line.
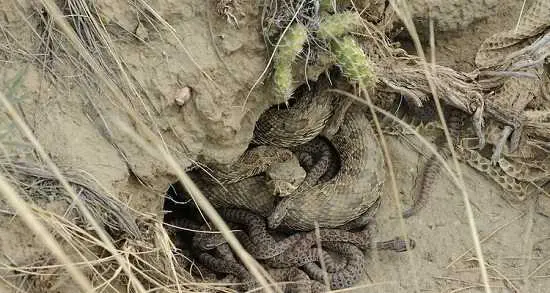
<point x="292" y="43"/>
<point x="282" y="78"/>
<point x="336" y="25"/>
<point x="290" y="46"/>
<point x="344" y="50"/>
<point x="355" y="64"/>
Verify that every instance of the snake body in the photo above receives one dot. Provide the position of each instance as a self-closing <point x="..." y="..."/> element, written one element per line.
<point x="258" y="242"/>
<point x="290" y="251"/>
<point x="250" y="193"/>
<point x="346" y="196"/>
<point x="305" y="251"/>
<point x="355" y="267"/>
<point x="299" y="280"/>
<point x="496" y="48"/>
<point x="284" y="257"/>
<point x="350" y="193"/>
<point x="214" y="255"/>
<point x="349" y="275"/>
<point x="345" y="174"/>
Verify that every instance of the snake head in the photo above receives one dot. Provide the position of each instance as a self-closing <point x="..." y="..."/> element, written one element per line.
<point x="208" y="241"/>
<point x="278" y="214"/>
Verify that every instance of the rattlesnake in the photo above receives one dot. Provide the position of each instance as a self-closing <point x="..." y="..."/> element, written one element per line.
<point x="433" y="167"/>
<point x="260" y="244"/>
<point x="301" y="282"/>
<point x="305" y="251"/>
<point x="350" y="192"/>
<point x="282" y="255"/>
<point x="212" y="252"/>
<point x="349" y="275"/>
<point x="256" y="240"/>
<point x="355" y="187"/>
<point x="495" y="49"/>
<point x="355" y="267"/>
<point x="509" y="177"/>
<point x="215" y="256"/>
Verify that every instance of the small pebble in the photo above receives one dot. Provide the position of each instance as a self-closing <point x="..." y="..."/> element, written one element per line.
<point x="183" y="95"/>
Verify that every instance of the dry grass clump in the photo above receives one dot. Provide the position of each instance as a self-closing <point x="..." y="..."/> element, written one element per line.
<point x="139" y="239"/>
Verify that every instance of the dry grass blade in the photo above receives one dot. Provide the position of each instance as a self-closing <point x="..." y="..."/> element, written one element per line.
<point x="29" y="219"/>
<point x="103" y="207"/>
<point x="404" y="14"/>
<point x="24" y="128"/>
<point x="151" y="257"/>
<point x="250" y="263"/>
<point x="56" y="14"/>
<point x="520" y="14"/>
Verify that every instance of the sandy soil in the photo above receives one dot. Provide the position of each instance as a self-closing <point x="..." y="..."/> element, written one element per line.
<point x="217" y="64"/>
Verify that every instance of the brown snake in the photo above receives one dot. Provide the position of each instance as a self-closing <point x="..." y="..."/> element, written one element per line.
<point x="349" y="275"/>
<point x="260" y="244"/>
<point x="346" y="196"/>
